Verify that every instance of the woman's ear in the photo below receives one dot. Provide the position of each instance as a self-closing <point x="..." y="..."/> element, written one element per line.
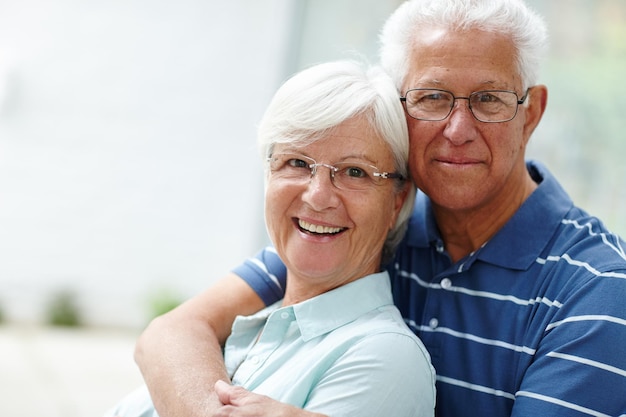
<point x="399" y="199"/>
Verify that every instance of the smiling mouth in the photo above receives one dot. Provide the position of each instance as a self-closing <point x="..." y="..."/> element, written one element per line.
<point x="461" y="162"/>
<point x="319" y="229"/>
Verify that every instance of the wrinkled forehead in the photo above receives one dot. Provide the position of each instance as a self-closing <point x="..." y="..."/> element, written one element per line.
<point x="444" y="58"/>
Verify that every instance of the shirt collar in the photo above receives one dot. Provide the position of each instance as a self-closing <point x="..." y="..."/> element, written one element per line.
<point x="520" y="241"/>
<point x="326" y="312"/>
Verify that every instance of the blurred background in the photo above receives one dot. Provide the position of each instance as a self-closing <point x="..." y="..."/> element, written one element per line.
<point x="129" y="176"/>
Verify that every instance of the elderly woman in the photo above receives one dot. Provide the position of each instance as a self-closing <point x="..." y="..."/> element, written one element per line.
<point x="337" y="202"/>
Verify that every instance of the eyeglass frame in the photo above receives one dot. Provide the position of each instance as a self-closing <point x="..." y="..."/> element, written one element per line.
<point x="333" y="169"/>
<point x="469" y="103"/>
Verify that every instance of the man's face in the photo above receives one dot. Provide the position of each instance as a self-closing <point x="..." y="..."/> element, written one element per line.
<point x="460" y="162"/>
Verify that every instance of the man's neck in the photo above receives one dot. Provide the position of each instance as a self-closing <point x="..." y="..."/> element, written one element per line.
<point x="465" y="231"/>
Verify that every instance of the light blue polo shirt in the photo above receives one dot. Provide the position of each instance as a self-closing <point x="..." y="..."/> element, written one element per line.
<point x="346" y="352"/>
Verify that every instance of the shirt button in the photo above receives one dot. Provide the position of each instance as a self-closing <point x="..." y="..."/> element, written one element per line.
<point x="284" y="315"/>
<point x="440" y="246"/>
<point x="433" y="323"/>
<point x="446" y="283"/>
<point x="254" y="360"/>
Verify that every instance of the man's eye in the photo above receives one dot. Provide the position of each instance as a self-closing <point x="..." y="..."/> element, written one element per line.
<point x="486" y="98"/>
<point x="433" y="100"/>
<point x="434" y="97"/>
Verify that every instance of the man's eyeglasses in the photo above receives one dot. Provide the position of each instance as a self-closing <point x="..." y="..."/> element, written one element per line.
<point x="489" y="106"/>
<point x="351" y="176"/>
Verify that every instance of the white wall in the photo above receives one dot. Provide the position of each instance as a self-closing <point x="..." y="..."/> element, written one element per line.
<point x="127" y="147"/>
<point x="127" y="129"/>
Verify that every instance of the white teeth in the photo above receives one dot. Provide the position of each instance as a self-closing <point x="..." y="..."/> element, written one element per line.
<point x="318" y="228"/>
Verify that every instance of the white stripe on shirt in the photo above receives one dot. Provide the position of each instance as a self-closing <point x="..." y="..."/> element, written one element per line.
<point x="562" y="403"/>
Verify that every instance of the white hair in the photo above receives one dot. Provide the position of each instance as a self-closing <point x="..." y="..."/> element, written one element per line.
<point x="316" y="100"/>
<point x="511" y="18"/>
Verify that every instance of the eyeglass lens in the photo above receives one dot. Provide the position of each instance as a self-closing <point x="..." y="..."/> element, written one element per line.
<point x="486" y="106"/>
<point x="344" y="175"/>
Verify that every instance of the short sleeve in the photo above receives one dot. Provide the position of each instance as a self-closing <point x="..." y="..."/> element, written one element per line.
<point x="580" y="365"/>
<point x="266" y="274"/>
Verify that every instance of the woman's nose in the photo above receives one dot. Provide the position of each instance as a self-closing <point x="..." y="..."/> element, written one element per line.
<point x="321" y="192"/>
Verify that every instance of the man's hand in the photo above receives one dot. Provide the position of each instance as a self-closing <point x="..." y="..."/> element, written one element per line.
<point x="239" y="402"/>
<point x="180" y="354"/>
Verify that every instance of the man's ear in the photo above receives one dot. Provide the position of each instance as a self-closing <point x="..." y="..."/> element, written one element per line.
<point x="537" y="101"/>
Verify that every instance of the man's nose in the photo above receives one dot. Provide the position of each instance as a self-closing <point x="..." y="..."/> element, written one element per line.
<point x="461" y="124"/>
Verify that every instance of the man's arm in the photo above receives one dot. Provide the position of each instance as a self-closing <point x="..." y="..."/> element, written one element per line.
<point x="179" y="354"/>
<point x="579" y="366"/>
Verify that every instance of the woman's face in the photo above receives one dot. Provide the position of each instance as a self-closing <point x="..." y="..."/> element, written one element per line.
<point x="327" y="236"/>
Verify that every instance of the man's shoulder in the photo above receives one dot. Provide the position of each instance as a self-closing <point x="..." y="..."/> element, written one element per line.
<point x="584" y="261"/>
<point x="584" y="236"/>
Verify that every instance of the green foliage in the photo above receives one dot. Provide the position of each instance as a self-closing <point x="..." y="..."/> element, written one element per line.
<point x="63" y="310"/>
<point x="162" y="301"/>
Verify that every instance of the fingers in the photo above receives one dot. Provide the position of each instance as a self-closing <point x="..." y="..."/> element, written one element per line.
<point x="223" y="391"/>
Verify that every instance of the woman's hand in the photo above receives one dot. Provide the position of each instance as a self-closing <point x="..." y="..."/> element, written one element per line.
<point x="239" y="402"/>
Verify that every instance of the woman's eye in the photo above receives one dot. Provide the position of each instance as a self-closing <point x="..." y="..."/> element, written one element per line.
<point x="355" y="172"/>
<point x="297" y="163"/>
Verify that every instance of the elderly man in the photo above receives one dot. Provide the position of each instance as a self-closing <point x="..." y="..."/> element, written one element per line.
<point x="517" y="293"/>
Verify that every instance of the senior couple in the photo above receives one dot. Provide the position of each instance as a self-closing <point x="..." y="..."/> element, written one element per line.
<point x="515" y="294"/>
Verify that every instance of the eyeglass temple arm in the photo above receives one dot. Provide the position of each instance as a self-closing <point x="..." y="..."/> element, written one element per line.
<point x="523" y="99"/>
<point x="387" y="175"/>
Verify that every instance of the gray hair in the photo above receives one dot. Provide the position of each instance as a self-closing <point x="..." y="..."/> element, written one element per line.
<point x="511" y="18"/>
<point x="316" y="100"/>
